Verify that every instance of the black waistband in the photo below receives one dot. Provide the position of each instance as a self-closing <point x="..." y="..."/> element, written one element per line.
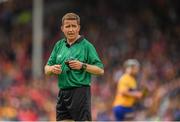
<point x="70" y="88"/>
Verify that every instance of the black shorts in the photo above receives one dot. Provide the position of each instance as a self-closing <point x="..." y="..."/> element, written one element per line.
<point x="74" y="104"/>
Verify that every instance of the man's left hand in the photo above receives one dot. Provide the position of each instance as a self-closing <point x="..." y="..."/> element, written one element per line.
<point x="75" y="64"/>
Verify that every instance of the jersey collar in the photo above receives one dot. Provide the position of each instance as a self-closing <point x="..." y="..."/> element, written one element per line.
<point x="77" y="41"/>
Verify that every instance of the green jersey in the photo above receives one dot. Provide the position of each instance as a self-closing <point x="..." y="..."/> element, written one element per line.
<point x="81" y="50"/>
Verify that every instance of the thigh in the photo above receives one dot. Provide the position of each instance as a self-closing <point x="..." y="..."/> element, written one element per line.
<point x="119" y="113"/>
<point x="62" y="112"/>
<point x="80" y="107"/>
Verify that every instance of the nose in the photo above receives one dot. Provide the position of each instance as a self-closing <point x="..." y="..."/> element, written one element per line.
<point x="71" y="29"/>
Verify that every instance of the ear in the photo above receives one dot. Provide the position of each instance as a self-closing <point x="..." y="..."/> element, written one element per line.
<point x="79" y="27"/>
<point x="62" y="28"/>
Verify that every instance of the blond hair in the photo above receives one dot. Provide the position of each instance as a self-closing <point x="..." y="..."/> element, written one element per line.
<point x="71" y="16"/>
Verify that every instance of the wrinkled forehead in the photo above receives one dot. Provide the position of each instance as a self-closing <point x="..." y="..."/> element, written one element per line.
<point x="70" y="22"/>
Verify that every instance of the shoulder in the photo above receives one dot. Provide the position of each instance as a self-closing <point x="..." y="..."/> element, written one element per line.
<point x="87" y="43"/>
<point x="125" y="78"/>
<point x="60" y="42"/>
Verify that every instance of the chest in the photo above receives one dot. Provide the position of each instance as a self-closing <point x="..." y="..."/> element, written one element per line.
<point x="132" y="84"/>
<point x="75" y="52"/>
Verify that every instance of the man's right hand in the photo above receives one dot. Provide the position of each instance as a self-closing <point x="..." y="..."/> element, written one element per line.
<point x="54" y="69"/>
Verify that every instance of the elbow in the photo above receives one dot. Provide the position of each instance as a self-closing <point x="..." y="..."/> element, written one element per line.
<point x="46" y="73"/>
<point x="101" y="72"/>
<point x="46" y="70"/>
<point x="124" y="93"/>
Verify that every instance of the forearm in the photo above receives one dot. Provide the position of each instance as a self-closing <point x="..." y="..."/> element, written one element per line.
<point x="94" y="69"/>
<point x="135" y="94"/>
<point x="47" y="70"/>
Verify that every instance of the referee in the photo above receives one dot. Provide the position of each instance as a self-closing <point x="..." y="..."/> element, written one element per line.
<point x="73" y="60"/>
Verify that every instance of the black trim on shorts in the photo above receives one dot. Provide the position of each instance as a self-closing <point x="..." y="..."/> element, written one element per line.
<point x="74" y="104"/>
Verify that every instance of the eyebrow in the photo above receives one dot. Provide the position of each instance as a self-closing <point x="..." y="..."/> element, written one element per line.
<point x="70" y="25"/>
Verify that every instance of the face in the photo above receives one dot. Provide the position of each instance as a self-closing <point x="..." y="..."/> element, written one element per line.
<point x="71" y="29"/>
<point x="135" y="70"/>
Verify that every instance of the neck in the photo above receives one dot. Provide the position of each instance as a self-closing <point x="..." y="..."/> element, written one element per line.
<point x="131" y="74"/>
<point x="72" y="41"/>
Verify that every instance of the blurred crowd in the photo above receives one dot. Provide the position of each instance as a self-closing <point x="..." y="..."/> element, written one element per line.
<point x="146" y="30"/>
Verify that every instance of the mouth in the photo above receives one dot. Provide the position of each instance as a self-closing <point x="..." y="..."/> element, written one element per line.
<point x="70" y="35"/>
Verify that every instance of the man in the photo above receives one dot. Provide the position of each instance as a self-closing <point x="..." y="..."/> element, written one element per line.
<point x="127" y="92"/>
<point x="73" y="60"/>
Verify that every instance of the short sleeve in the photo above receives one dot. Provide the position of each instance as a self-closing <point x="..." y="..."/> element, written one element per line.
<point x="93" y="57"/>
<point x="123" y="85"/>
<point x="52" y="58"/>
